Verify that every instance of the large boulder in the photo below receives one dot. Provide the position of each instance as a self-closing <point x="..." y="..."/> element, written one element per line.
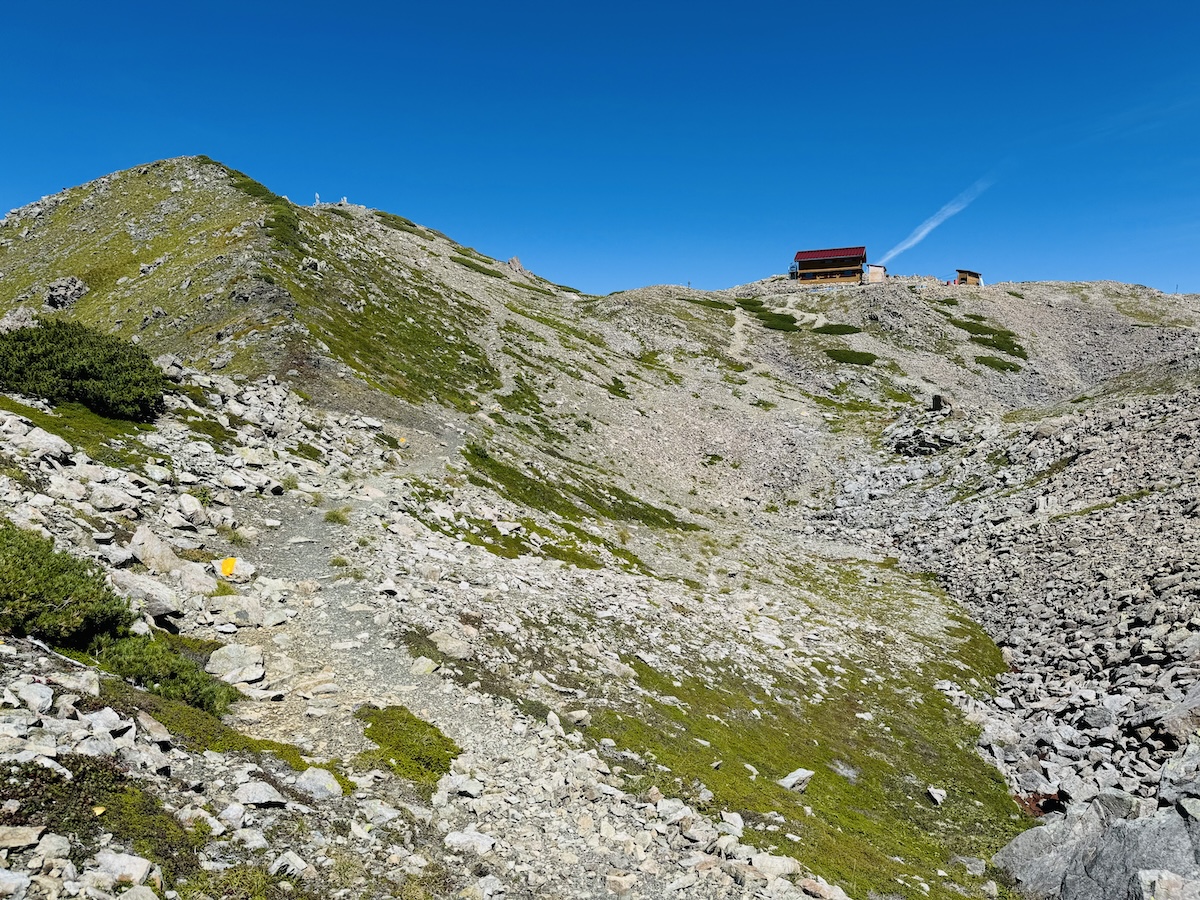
<point x="1109" y="864"/>
<point x="236" y="663"/>
<point x="1037" y="859"/>
<point x="146" y="593"/>
<point x="1180" y="777"/>
<point x="1110" y="849"/>
<point x="63" y="292"/>
<point x="153" y="552"/>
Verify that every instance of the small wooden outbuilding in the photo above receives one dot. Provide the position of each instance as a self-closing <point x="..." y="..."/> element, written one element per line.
<point x="966" y="276"/>
<point x="838" y="264"/>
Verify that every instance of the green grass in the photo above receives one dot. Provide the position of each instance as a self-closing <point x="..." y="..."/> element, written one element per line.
<point x="409" y="336"/>
<point x="850" y="357"/>
<point x="867" y="829"/>
<point x="221" y="437"/>
<point x="340" y="516"/>
<point x="618" y="388"/>
<point x="110" y="441"/>
<point x="309" y="452"/>
<point x="477" y="267"/>
<point x="833" y="328"/>
<point x="522" y="399"/>
<point x="407" y="745"/>
<point x="247" y="882"/>
<point x="992" y="336"/>
<point x="1000" y="365"/>
<point x="281" y="221"/>
<point x="573" y="545"/>
<point x="573" y="500"/>
<point x="776" y="321"/>
<point x="399" y="223"/>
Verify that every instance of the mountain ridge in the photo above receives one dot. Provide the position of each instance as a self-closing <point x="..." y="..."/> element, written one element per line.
<point x="683" y="475"/>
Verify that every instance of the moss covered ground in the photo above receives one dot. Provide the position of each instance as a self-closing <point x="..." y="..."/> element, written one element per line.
<point x="407" y="745"/>
<point x="871" y="725"/>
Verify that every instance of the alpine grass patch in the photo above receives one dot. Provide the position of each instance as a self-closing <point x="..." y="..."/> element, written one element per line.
<point x="850" y="357"/>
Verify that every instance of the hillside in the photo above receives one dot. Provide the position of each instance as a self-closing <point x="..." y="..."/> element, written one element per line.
<point x="629" y="561"/>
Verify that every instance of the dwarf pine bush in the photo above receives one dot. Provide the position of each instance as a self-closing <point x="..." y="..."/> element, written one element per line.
<point x="65" y="602"/>
<point x="64" y="361"/>
<point x="53" y="596"/>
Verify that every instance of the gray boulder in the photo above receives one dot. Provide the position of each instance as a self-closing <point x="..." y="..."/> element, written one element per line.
<point x="152" y="596"/>
<point x="319" y="784"/>
<point x="153" y="552"/>
<point x="235" y="663"/>
<point x="63" y="292"/>
<point x="1038" y="859"/>
<point x="1108" y="865"/>
<point x="1180" y="777"/>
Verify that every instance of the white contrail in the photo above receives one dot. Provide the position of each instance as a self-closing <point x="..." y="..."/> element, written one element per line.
<point x="958" y="204"/>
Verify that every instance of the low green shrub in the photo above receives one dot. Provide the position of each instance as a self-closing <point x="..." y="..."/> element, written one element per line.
<point x="54" y="596"/>
<point x="1000" y="365"/>
<point x="64" y="361"/>
<point x="153" y="664"/>
<point x="851" y="357"/>
<point x="65" y="602"/>
<point x="776" y="321"/>
<point x="402" y="224"/>
<point x="477" y="267"/>
<point x="834" y="328"/>
<point x="711" y="304"/>
<point x="618" y="388"/>
<point x="994" y="337"/>
<point x="308" y="451"/>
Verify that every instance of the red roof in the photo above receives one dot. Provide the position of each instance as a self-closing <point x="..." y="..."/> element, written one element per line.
<point x="836" y="253"/>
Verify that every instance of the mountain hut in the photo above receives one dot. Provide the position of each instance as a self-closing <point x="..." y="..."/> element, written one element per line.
<point x="839" y="264"/>
<point x="966" y="276"/>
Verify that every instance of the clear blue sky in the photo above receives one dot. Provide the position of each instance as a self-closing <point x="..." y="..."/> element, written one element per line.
<point x="619" y="144"/>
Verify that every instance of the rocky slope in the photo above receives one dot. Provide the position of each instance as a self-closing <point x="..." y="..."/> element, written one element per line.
<point x="641" y="558"/>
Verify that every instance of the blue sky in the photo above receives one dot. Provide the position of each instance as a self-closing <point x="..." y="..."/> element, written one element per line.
<point x="621" y="144"/>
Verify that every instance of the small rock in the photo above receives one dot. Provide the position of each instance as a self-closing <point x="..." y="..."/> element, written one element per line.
<point x="19" y="837"/>
<point x="620" y="883"/>
<point x="469" y="841"/>
<point x="124" y="867"/>
<point x="797" y="780"/>
<point x="38" y="697"/>
<point x="259" y="793"/>
<point x="290" y="863"/>
<point x="319" y="784"/>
